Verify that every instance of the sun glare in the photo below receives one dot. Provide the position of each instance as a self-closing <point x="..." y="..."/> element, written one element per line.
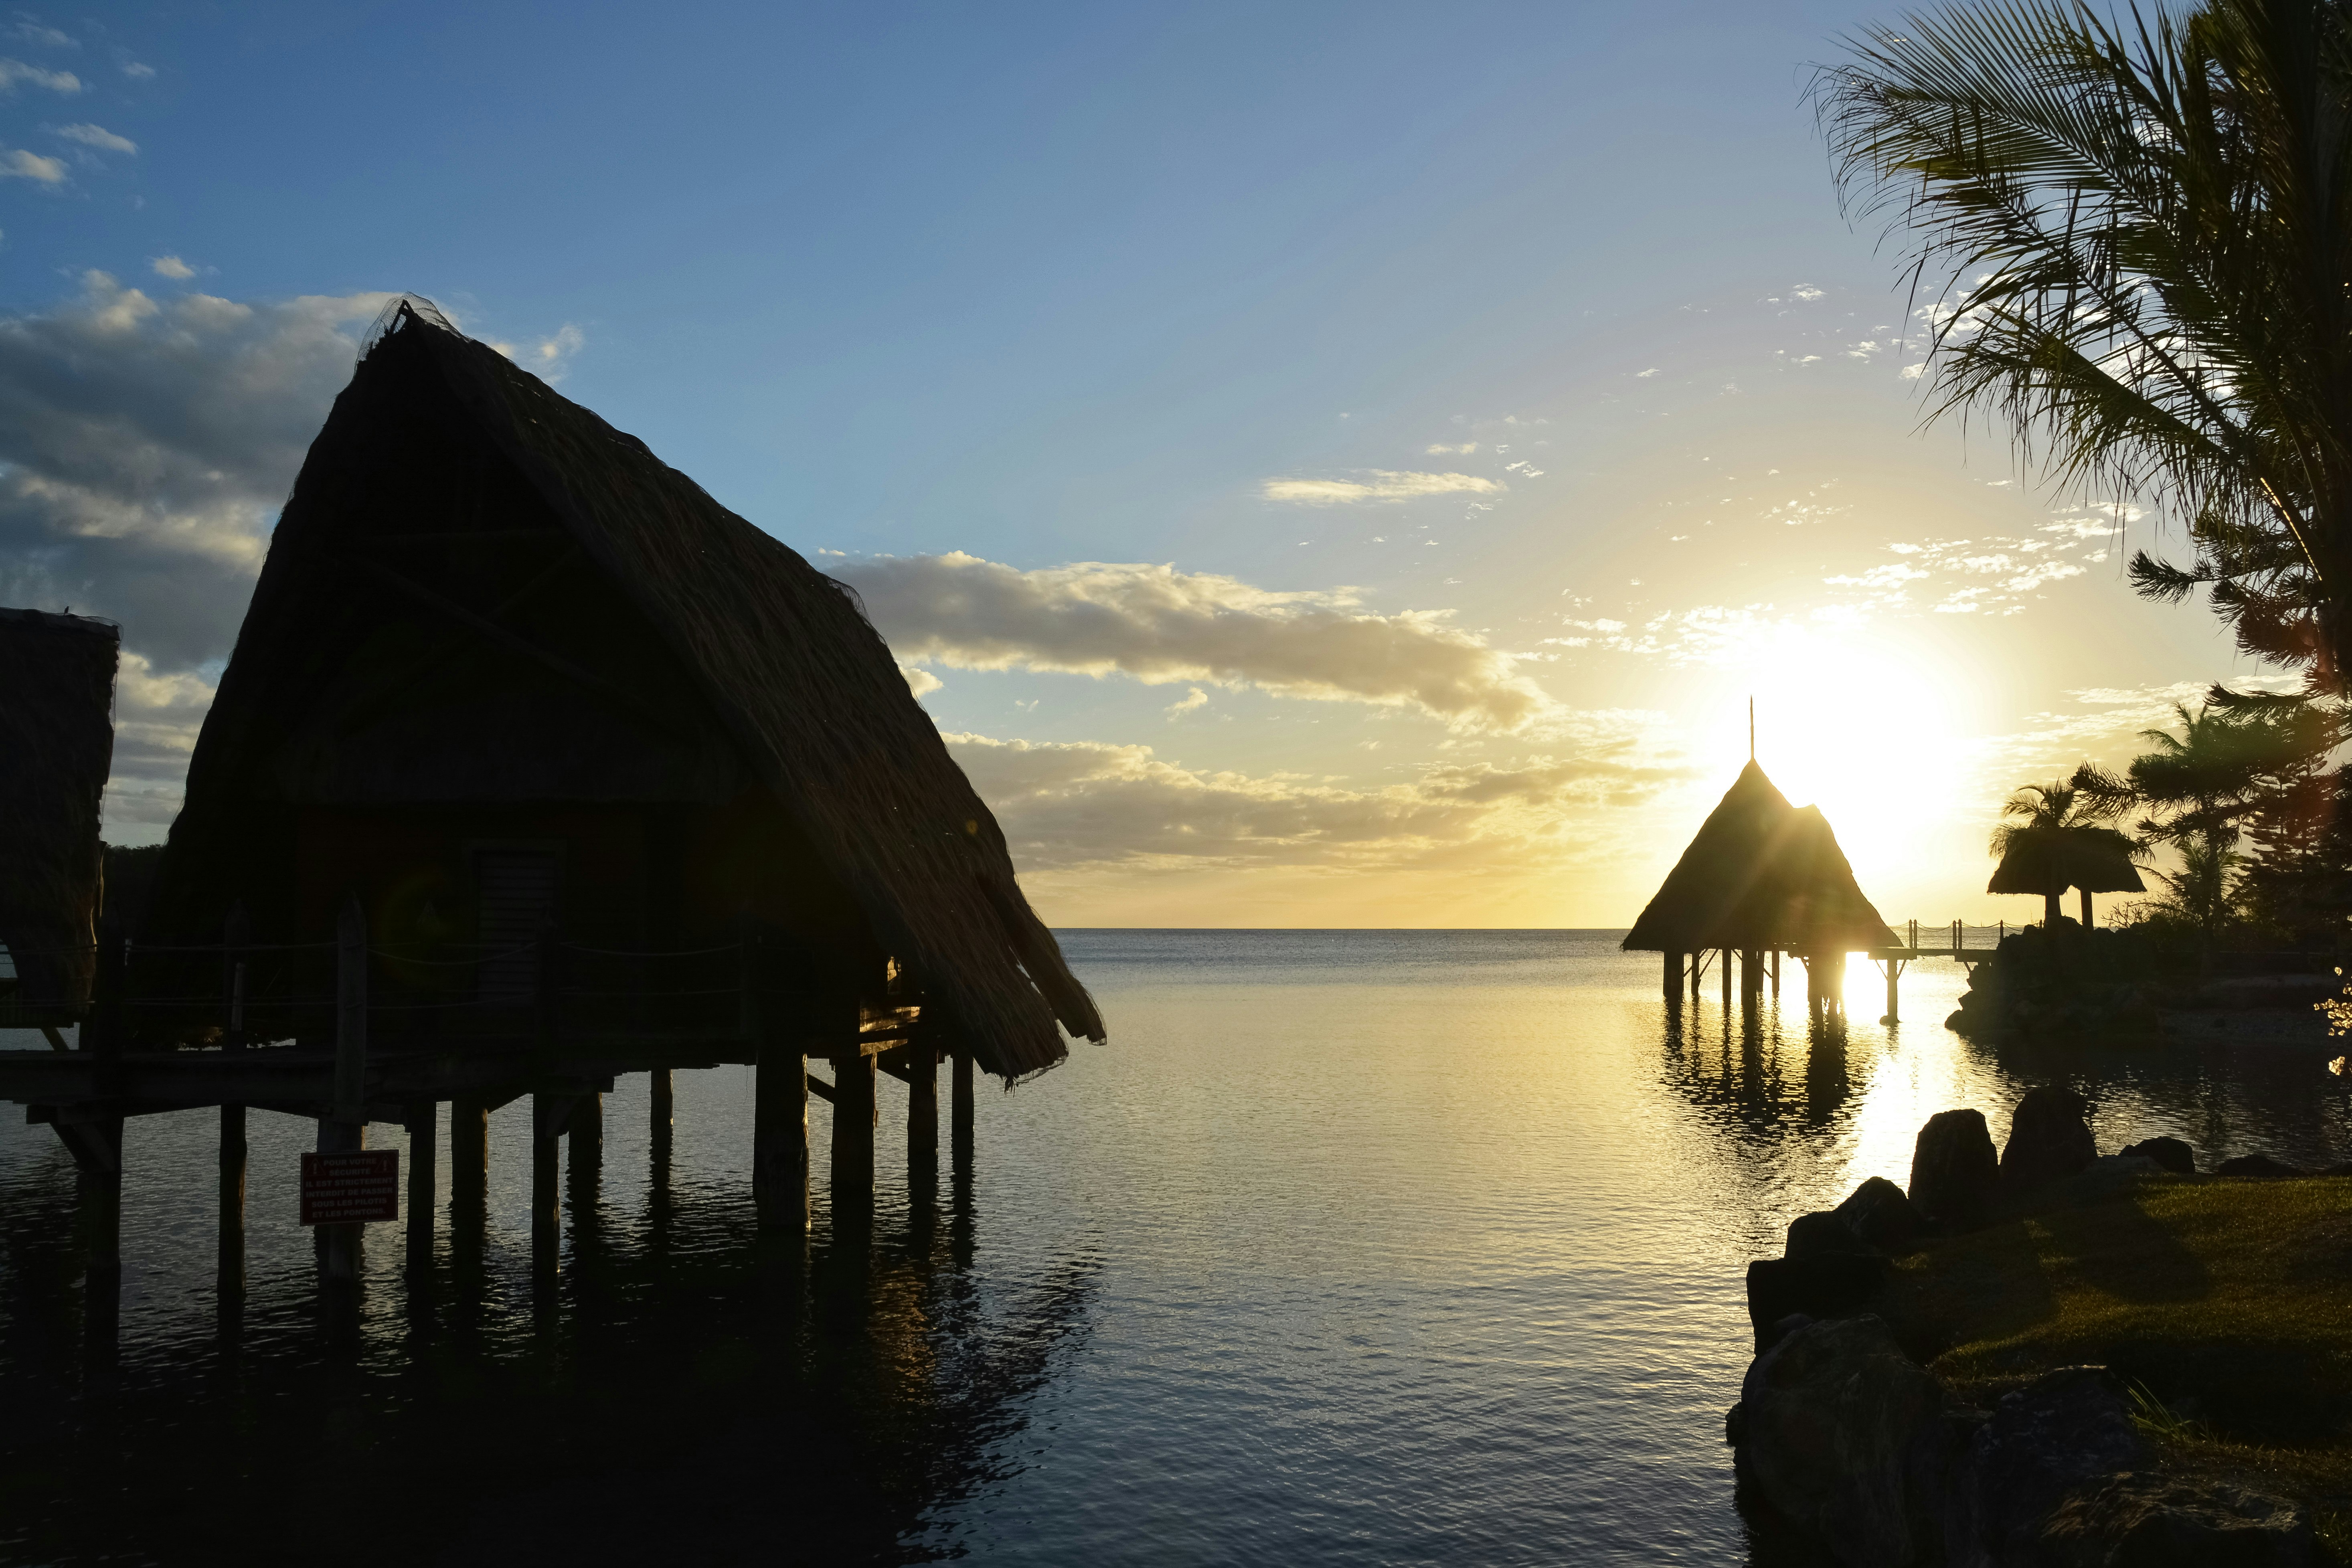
<point x="1862" y="727"/>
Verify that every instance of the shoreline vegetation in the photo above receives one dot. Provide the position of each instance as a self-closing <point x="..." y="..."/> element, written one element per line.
<point x="2056" y="1357"/>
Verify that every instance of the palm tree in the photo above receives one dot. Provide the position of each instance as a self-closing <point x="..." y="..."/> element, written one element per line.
<point x="2138" y="233"/>
<point x="2053" y="837"/>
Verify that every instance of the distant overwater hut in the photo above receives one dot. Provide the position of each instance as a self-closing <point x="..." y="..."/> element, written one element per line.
<point x="535" y="765"/>
<point x="56" y="746"/>
<point x="1761" y="878"/>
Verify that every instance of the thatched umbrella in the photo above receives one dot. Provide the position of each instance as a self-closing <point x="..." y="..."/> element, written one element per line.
<point x="56" y="745"/>
<point x="2045" y="859"/>
<point x="1760" y="874"/>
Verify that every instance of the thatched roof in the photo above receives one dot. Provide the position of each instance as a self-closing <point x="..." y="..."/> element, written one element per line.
<point x="56" y="745"/>
<point x="779" y="655"/>
<point x="2043" y="859"/>
<point x="1760" y="873"/>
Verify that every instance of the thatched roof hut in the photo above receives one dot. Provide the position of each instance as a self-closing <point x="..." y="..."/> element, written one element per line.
<point x="1760" y="874"/>
<point x="493" y="627"/>
<point x="56" y="745"/>
<point x="2044" y="861"/>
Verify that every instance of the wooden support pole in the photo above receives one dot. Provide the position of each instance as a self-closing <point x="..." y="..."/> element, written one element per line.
<point x="546" y="1197"/>
<point x="853" y="1114"/>
<point x="1723" y="957"/>
<point x="922" y="1118"/>
<point x="1751" y="974"/>
<point x="345" y="1128"/>
<point x="1673" y="978"/>
<point x="585" y="1130"/>
<point x="469" y="1159"/>
<point x="1775" y="958"/>
<point x="779" y="1137"/>
<point x="1893" y="973"/>
<point x="960" y="1136"/>
<point x="236" y="933"/>
<point x="421" y="1117"/>
<point x="661" y="1105"/>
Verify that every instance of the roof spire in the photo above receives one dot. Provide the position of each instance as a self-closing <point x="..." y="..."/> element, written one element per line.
<point x="1752" y="729"/>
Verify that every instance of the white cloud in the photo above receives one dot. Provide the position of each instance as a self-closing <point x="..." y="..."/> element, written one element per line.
<point x="136" y="71"/>
<point x="156" y="717"/>
<point x="16" y="163"/>
<point x="1191" y="701"/>
<point x="146" y="446"/>
<point x="1384" y="485"/>
<point x="172" y="267"/>
<point x="921" y="682"/>
<point x="96" y="136"/>
<point x="1645" y="375"/>
<point x="1068" y="804"/>
<point x="1805" y="292"/>
<point x="1161" y="626"/>
<point x="14" y="71"/>
<point x="1442" y="449"/>
<point x="551" y="356"/>
<point x="34" y="32"/>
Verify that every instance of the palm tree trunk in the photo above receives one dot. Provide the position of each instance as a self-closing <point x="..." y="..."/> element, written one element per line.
<point x="2054" y="909"/>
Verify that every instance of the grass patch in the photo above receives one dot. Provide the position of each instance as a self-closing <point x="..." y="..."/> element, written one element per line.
<point x="2226" y="1303"/>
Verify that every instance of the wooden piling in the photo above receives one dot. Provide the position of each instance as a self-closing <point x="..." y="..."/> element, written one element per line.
<point x="853" y="1114"/>
<point x="469" y="1159"/>
<point x="960" y="1136"/>
<point x="1776" y="974"/>
<point x="1673" y="978"/>
<point x="232" y="1150"/>
<point x="661" y="1107"/>
<point x="779" y="1159"/>
<point x="1723" y="957"/>
<point x="345" y="1128"/>
<point x="1894" y="972"/>
<point x="585" y="1130"/>
<point x="422" y="1119"/>
<point x="922" y="1118"/>
<point x="547" y="1112"/>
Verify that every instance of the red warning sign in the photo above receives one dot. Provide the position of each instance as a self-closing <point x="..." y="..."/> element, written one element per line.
<point x="352" y="1188"/>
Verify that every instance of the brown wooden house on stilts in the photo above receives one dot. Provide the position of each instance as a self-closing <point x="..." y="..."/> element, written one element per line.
<point x="1760" y="878"/>
<point x="533" y="765"/>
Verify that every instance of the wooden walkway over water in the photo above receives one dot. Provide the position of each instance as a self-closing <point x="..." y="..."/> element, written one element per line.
<point x="349" y="1034"/>
<point x="1760" y="968"/>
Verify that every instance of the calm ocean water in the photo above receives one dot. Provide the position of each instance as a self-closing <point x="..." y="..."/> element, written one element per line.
<point x="1351" y="1247"/>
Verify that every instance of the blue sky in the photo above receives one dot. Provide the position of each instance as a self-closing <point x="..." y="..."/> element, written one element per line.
<point x="1472" y="405"/>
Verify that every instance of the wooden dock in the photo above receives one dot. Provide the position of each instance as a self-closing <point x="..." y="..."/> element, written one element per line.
<point x="1825" y="990"/>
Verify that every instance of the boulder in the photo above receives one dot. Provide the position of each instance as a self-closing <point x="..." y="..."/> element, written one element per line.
<point x="1846" y="1435"/>
<point x="2141" y="1521"/>
<point x="1880" y="1216"/>
<point x="1825" y="1285"/>
<point x="2069" y="1428"/>
<point x="2048" y="1139"/>
<point x="2169" y="1152"/>
<point x="1953" y="1170"/>
<point x="2254" y="1166"/>
<point x="1821" y="1234"/>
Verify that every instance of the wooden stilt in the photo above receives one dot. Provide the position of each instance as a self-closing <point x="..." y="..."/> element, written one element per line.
<point x="345" y="1128"/>
<point x="780" y="1162"/>
<point x="1894" y="972"/>
<point x="1723" y="957"/>
<point x="661" y="1108"/>
<point x="232" y="1197"/>
<point x="546" y="1199"/>
<point x="1776" y="974"/>
<point x="853" y="1112"/>
<point x="960" y="1138"/>
<point x="469" y="1159"/>
<point x="423" y="1122"/>
<point x="1751" y="974"/>
<point x="584" y="1129"/>
<point x="922" y="1118"/>
<point x="1673" y="978"/>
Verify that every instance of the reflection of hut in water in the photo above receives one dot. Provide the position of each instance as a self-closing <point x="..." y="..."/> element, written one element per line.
<point x="1760" y="878"/>
<point x="56" y="744"/>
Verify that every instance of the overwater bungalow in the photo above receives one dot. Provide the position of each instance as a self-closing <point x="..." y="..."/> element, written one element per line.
<point x="56" y="746"/>
<point x="532" y="765"/>
<point x="1760" y="878"/>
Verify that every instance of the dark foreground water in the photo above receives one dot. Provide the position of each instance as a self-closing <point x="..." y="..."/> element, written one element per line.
<point x="1352" y="1247"/>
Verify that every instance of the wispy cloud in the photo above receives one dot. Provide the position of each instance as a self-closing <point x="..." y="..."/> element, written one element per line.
<point x="1162" y="626"/>
<point x="1191" y="701"/>
<point x="1440" y="449"/>
<point x="14" y="71"/>
<point x="171" y="266"/>
<point x="1384" y="485"/>
<point x="16" y="163"/>
<point x="96" y="136"/>
<point x="1076" y="803"/>
<point x="136" y="71"/>
<point x="549" y="357"/>
<point x="33" y="32"/>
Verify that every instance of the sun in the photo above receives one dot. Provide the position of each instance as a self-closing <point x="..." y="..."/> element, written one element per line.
<point x="1868" y="728"/>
